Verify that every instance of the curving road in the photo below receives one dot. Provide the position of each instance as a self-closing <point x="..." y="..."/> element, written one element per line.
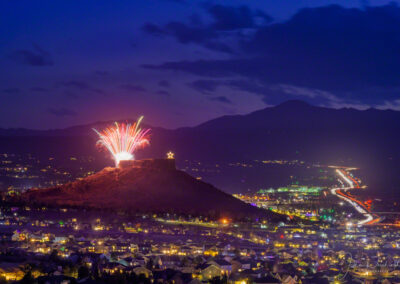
<point x="358" y="205"/>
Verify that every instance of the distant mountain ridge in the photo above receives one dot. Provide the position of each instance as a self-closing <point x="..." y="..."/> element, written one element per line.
<point x="77" y="130"/>
<point x="368" y="139"/>
<point x="261" y="118"/>
<point x="292" y="130"/>
<point x="299" y="114"/>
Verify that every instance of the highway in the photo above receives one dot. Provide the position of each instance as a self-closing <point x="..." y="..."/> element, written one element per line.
<point x="370" y="218"/>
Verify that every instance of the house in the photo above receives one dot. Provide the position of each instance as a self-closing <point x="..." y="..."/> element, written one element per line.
<point x="141" y="260"/>
<point x="254" y="273"/>
<point x="113" y="267"/>
<point x="239" y="264"/>
<point x="225" y="266"/>
<point x="170" y="261"/>
<point x="142" y="270"/>
<point x="237" y="278"/>
<point x="287" y="279"/>
<point x="210" y="271"/>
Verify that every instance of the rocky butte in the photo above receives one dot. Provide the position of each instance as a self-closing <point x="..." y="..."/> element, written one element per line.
<point x="147" y="186"/>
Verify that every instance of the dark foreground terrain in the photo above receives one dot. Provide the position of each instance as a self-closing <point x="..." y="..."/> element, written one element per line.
<point x="136" y="189"/>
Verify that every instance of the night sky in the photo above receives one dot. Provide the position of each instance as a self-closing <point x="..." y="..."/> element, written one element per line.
<point x="181" y="63"/>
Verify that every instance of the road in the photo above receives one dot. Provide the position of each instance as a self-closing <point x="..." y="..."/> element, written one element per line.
<point x="370" y="218"/>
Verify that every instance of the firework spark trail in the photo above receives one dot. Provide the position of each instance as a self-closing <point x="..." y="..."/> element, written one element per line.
<point x="122" y="140"/>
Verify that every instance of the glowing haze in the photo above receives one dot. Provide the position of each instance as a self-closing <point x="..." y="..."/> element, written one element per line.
<point x="122" y="140"/>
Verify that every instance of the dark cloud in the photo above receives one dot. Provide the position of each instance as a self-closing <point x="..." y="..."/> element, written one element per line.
<point x="211" y="68"/>
<point x="228" y="18"/>
<point x="153" y="29"/>
<point x="209" y="86"/>
<point x="78" y="86"/>
<point x="101" y="73"/>
<point x="98" y="91"/>
<point x="35" y="57"/>
<point x="270" y="93"/>
<point x="163" y="93"/>
<point x="75" y="84"/>
<point x="195" y="20"/>
<point x="218" y="46"/>
<point x="224" y="19"/>
<point x="132" y="88"/>
<point x="204" y="86"/>
<point x="189" y="34"/>
<point x="176" y="1"/>
<point x="351" y="53"/>
<point x="164" y="83"/>
<point x="221" y="99"/>
<point x="39" y="89"/>
<point x="72" y="95"/>
<point x="61" y="112"/>
<point x="11" y="91"/>
<point x="250" y="86"/>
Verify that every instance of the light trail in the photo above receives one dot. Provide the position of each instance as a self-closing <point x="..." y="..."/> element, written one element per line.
<point x="346" y="179"/>
<point x="358" y="205"/>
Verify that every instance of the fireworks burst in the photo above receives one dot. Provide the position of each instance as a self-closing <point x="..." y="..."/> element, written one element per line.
<point x="122" y="140"/>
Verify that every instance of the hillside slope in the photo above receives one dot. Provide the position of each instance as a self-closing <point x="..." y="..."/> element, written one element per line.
<point x="147" y="190"/>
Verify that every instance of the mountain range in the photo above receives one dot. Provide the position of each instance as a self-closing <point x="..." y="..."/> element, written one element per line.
<point x="368" y="139"/>
<point x="293" y="129"/>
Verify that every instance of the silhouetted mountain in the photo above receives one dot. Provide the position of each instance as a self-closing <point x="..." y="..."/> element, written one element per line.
<point x="291" y="130"/>
<point x="300" y="115"/>
<point x="147" y="189"/>
<point x="78" y="130"/>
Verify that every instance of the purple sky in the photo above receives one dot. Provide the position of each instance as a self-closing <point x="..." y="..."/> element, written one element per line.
<point x="181" y="62"/>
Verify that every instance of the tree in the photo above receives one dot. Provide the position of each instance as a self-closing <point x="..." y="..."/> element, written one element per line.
<point x="54" y="256"/>
<point x="83" y="272"/>
<point x="28" y="278"/>
<point x="143" y="279"/>
<point x="217" y="280"/>
<point x="150" y="264"/>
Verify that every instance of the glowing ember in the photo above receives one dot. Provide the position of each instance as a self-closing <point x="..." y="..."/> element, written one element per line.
<point x="122" y="140"/>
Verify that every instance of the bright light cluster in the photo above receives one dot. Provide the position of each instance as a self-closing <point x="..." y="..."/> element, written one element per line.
<point x="122" y="140"/>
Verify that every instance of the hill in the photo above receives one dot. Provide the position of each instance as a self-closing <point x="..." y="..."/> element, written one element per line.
<point x="147" y="189"/>
<point x="367" y="139"/>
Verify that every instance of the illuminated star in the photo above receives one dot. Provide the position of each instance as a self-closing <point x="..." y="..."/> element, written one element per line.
<point x="170" y="155"/>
